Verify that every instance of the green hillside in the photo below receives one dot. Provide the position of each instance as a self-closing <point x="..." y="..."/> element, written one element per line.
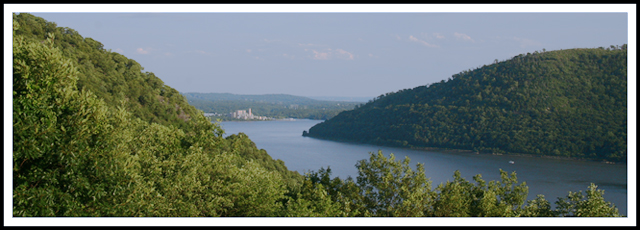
<point x="93" y="135"/>
<point x="566" y="103"/>
<point x="111" y="76"/>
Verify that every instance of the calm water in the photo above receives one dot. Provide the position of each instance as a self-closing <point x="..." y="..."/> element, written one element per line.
<point x="551" y="177"/>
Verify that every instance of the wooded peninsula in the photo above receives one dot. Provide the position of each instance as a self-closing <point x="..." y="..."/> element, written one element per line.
<point x="564" y="103"/>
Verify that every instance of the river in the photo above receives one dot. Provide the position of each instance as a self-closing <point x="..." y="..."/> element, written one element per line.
<point x="550" y="177"/>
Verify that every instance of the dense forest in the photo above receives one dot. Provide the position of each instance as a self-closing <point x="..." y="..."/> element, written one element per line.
<point x="564" y="103"/>
<point x="270" y="105"/>
<point x="94" y="136"/>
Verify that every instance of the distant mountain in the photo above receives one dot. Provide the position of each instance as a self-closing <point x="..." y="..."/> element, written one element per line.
<point x="270" y="105"/>
<point x="350" y="99"/>
<point x="268" y="98"/>
<point x="567" y="103"/>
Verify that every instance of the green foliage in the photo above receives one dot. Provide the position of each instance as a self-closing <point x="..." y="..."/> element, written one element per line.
<point x="384" y="188"/>
<point x="392" y="188"/>
<point x="64" y="151"/>
<point x="538" y="207"/>
<point x="566" y="103"/>
<point x="461" y="198"/>
<point x="319" y="196"/>
<point x="246" y="149"/>
<point x="76" y="154"/>
<point x="389" y="188"/>
<point x="111" y="76"/>
<point x="593" y="205"/>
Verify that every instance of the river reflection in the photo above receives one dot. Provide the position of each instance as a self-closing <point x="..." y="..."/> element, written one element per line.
<point x="551" y="177"/>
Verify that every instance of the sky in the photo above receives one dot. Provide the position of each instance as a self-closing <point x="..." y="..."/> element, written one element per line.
<point x="353" y="53"/>
<point x="328" y="51"/>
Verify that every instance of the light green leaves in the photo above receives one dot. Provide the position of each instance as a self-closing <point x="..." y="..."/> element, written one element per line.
<point x="591" y="205"/>
<point x="393" y="188"/>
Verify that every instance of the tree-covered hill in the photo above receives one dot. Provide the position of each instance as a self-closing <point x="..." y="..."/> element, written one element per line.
<point x="121" y="82"/>
<point x="270" y="105"/>
<point x="93" y="135"/>
<point x="110" y="75"/>
<point x="566" y="103"/>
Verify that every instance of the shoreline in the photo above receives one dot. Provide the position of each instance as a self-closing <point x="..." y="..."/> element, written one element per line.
<point x="436" y="149"/>
<point x="515" y="154"/>
<point x="249" y="120"/>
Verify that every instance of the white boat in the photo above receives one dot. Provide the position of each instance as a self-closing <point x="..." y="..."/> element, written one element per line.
<point x="512" y="162"/>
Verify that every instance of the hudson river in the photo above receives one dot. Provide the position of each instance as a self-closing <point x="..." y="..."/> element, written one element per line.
<point x="552" y="178"/>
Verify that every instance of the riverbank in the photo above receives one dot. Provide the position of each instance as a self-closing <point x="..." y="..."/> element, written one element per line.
<point x="551" y="178"/>
<point x="247" y="120"/>
<point x="513" y="154"/>
<point x="438" y="149"/>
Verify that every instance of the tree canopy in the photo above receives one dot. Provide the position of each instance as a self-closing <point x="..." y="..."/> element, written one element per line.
<point x="80" y="153"/>
<point x="564" y="103"/>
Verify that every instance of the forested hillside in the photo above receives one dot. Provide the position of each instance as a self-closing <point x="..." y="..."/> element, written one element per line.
<point x="566" y="103"/>
<point x="270" y="105"/>
<point x="85" y="146"/>
<point x="111" y="76"/>
<point x="93" y="135"/>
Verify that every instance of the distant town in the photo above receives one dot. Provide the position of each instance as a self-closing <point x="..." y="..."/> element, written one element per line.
<point x="240" y="115"/>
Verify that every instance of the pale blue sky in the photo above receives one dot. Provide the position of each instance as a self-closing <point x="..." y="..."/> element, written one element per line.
<point x="331" y="54"/>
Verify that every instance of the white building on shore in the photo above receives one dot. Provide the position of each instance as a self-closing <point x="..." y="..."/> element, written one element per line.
<point x="247" y="115"/>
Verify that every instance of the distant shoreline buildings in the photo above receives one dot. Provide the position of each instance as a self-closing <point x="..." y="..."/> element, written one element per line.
<point x="243" y="114"/>
<point x="240" y="114"/>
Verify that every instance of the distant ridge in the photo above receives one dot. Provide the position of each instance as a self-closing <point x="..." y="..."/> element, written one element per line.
<point x="269" y="105"/>
<point x="284" y="98"/>
<point x="271" y="97"/>
<point x="350" y="99"/>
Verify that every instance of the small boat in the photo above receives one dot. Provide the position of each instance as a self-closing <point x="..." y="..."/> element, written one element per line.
<point x="512" y="162"/>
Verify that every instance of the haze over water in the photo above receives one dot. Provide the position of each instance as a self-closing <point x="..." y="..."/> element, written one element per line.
<point x="551" y="177"/>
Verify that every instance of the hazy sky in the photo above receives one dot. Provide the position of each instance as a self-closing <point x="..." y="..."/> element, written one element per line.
<point x="356" y="54"/>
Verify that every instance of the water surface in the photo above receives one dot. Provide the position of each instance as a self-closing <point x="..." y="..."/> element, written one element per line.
<point x="552" y="178"/>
